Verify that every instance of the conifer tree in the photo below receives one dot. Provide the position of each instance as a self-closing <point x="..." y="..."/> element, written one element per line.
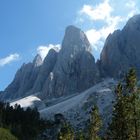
<point x="125" y="123"/>
<point x="80" y="136"/>
<point x="66" y="133"/>
<point x="95" y="124"/>
<point x="134" y="104"/>
<point x="118" y="127"/>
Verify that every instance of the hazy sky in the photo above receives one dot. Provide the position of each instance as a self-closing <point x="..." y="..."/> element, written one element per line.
<point x="28" y="27"/>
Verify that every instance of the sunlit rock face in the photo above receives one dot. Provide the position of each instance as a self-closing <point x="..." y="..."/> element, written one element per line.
<point x="24" y="80"/>
<point x="45" y="70"/>
<point x="122" y="50"/>
<point x="75" y="69"/>
<point x="64" y="72"/>
<point x="31" y="77"/>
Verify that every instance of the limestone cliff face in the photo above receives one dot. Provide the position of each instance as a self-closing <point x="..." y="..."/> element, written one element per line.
<point x="45" y="70"/>
<point x="71" y="70"/>
<point x="24" y="79"/>
<point x="122" y="50"/>
<point x="75" y="69"/>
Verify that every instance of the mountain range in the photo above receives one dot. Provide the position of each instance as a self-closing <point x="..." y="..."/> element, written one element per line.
<point x="73" y="68"/>
<point x="70" y="82"/>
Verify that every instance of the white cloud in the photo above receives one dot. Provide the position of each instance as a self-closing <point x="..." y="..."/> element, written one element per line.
<point x="133" y="9"/>
<point x="9" y="59"/>
<point x="99" y="12"/>
<point x="108" y="16"/>
<point x="96" y="36"/>
<point x="43" y="50"/>
<point x="93" y="36"/>
<point x="131" y="4"/>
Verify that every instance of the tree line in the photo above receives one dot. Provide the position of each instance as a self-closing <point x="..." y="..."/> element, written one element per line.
<point x="125" y="123"/>
<point x="25" y="124"/>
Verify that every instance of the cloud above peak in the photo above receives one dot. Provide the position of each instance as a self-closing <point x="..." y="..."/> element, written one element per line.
<point x="133" y="9"/>
<point x="43" y="50"/>
<point x="99" y="12"/>
<point x="9" y="59"/>
<point x="103" y="13"/>
<point x="103" y="18"/>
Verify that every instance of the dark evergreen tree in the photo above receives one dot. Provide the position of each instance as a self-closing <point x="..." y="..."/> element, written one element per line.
<point x="95" y="124"/>
<point x="24" y="124"/>
<point x="134" y="105"/>
<point x="66" y="133"/>
<point x="80" y="136"/>
<point x="125" y="123"/>
<point x="118" y="127"/>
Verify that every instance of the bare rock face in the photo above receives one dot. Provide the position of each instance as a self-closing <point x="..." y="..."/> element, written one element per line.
<point x="37" y="61"/>
<point x="68" y="71"/>
<point x="75" y="69"/>
<point x="121" y="50"/>
<point x="45" y="70"/>
<point x="24" y="79"/>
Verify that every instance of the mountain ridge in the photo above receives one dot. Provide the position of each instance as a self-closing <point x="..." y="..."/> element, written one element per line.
<point x="73" y="68"/>
<point x="121" y="50"/>
<point x="68" y="71"/>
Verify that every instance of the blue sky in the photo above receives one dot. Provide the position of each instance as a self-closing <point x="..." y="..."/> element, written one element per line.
<point x="28" y="27"/>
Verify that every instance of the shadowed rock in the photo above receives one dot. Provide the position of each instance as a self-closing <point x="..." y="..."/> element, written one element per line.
<point x="122" y="50"/>
<point x="75" y="69"/>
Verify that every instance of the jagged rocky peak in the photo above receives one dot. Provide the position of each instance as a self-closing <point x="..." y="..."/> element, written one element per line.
<point x="122" y="49"/>
<point x="133" y="22"/>
<point x="45" y="70"/>
<point x="75" y="68"/>
<point x="24" y="79"/>
<point x="52" y="52"/>
<point x="64" y="71"/>
<point x="37" y="60"/>
<point x="75" y="39"/>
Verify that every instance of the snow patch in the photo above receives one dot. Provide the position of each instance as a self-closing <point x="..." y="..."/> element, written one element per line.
<point x="29" y="101"/>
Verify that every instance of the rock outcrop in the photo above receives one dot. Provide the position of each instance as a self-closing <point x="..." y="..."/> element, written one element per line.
<point x="68" y="71"/>
<point x="45" y="70"/>
<point x="75" y="69"/>
<point x="121" y="50"/>
<point x="24" y="80"/>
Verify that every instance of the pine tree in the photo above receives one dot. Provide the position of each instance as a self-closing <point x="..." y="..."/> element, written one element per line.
<point x="118" y="127"/>
<point x="95" y="124"/>
<point x="80" y="136"/>
<point x="66" y="133"/>
<point x="125" y="123"/>
<point x="18" y="121"/>
<point x="134" y="104"/>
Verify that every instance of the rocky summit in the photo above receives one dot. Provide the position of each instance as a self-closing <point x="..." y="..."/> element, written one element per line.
<point x="24" y="80"/>
<point x="121" y="50"/>
<point x="68" y="83"/>
<point x="75" y="68"/>
<point x="72" y="69"/>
